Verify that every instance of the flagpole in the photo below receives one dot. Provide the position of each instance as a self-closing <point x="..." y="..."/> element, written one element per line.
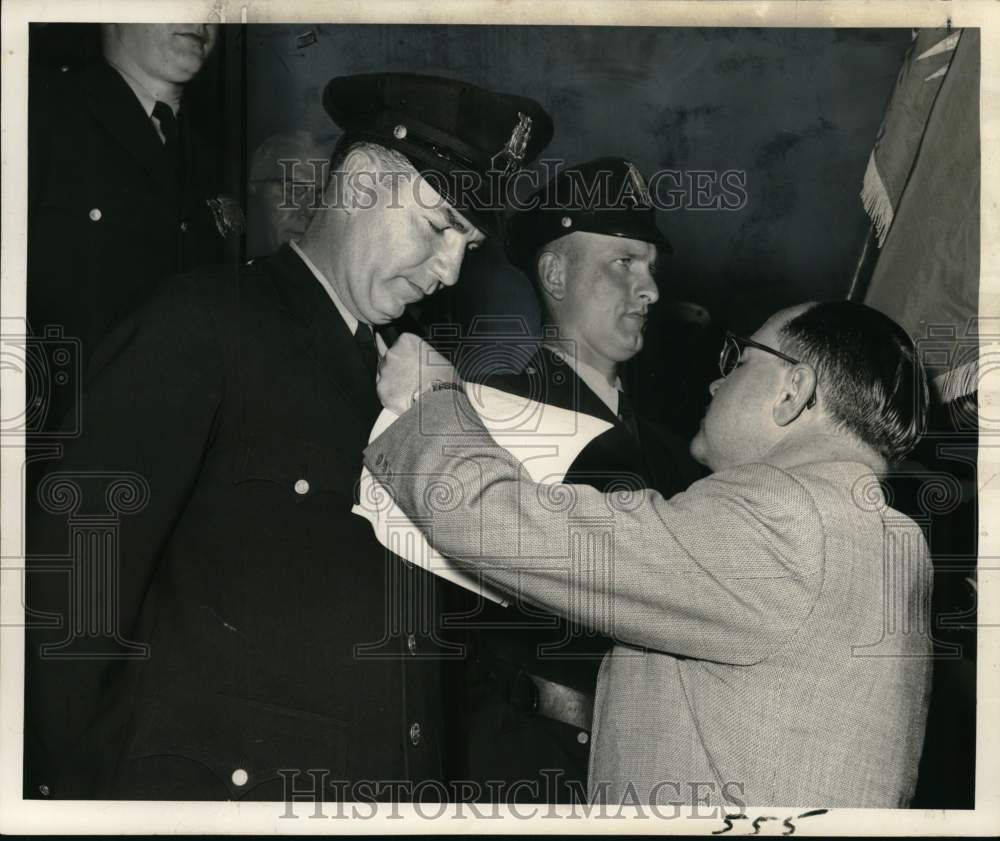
<point x="864" y="268"/>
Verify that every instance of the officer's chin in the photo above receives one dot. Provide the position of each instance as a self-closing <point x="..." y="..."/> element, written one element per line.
<point x="389" y="312"/>
<point x="634" y="330"/>
<point x="186" y="65"/>
<point x="635" y="343"/>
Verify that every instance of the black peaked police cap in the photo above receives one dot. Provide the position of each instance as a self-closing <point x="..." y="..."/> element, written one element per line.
<point x="604" y="196"/>
<point x="466" y="141"/>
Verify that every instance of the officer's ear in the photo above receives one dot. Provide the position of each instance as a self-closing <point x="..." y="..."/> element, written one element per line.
<point x="551" y="267"/>
<point x="359" y="181"/>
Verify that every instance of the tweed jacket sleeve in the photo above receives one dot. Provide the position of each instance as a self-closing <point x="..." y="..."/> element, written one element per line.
<point x="726" y="571"/>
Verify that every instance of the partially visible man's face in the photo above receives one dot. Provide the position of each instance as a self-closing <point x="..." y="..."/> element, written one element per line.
<point x="609" y="289"/>
<point x="170" y="52"/>
<point x="410" y="244"/>
<point x="286" y="175"/>
<point x="738" y="425"/>
<point x="287" y="207"/>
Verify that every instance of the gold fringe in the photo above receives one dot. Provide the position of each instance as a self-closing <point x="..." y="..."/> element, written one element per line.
<point x="875" y="199"/>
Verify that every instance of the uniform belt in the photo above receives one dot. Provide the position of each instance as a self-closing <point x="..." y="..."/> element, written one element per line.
<point x="540" y="696"/>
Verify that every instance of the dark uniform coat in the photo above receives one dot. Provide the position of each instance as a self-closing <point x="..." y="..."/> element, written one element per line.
<point x="108" y="214"/>
<point x="228" y="418"/>
<point x="507" y="739"/>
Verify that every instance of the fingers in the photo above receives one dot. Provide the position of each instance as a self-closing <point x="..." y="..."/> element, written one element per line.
<point x="407" y="342"/>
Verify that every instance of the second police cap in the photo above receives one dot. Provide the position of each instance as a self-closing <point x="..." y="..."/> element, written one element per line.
<point x="604" y="196"/>
<point x="466" y="140"/>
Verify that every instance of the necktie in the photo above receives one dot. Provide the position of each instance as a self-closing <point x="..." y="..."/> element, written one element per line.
<point x="627" y="415"/>
<point x="365" y="340"/>
<point x="168" y="125"/>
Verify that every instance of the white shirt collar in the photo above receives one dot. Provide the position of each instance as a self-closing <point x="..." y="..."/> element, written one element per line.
<point x="594" y="379"/>
<point x="345" y="313"/>
<point x="146" y="99"/>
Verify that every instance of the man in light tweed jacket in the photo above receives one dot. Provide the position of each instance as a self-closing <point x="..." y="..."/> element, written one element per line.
<point x="771" y="620"/>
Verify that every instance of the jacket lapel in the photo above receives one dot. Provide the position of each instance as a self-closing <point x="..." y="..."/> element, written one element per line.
<point x="571" y="392"/>
<point x="612" y="454"/>
<point x="325" y="335"/>
<point x="566" y="390"/>
<point x="553" y="382"/>
<point x="116" y="107"/>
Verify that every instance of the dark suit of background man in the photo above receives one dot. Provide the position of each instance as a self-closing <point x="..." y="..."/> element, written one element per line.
<point x="282" y="637"/>
<point x="590" y="248"/>
<point x="122" y="191"/>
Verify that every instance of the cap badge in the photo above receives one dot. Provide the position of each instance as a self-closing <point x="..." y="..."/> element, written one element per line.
<point x="639" y="194"/>
<point x="509" y="158"/>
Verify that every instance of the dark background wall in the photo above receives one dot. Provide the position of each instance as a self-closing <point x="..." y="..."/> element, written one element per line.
<point x="796" y="110"/>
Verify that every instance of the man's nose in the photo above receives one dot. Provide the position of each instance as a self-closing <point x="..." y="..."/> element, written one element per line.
<point x="449" y="264"/>
<point x="649" y="292"/>
<point x="714" y="385"/>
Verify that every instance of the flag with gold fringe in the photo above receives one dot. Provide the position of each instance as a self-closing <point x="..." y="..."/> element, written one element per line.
<point x="921" y="191"/>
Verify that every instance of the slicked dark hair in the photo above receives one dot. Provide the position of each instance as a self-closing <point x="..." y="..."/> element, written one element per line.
<point x="872" y="381"/>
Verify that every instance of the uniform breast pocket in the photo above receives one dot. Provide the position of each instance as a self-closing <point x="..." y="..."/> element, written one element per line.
<point x="114" y="205"/>
<point x="296" y="472"/>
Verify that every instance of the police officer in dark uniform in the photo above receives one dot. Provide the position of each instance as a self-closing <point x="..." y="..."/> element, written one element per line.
<point x="265" y="644"/>
<point x="122" y="189"/>
<point x="591" y="247"/>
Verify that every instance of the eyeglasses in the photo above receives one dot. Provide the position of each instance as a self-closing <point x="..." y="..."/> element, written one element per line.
<point x="732" y="350"/>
